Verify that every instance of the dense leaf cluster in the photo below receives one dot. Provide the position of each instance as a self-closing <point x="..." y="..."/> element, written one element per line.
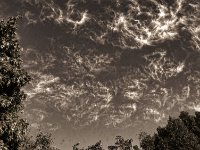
<point x="13" y="129"/>
<point x="12" y="79"/>
<point x="181" y="133"/>
<point x="12" y="76"/>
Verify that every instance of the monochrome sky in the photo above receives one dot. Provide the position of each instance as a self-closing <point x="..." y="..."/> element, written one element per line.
<point x="103" y="68"/>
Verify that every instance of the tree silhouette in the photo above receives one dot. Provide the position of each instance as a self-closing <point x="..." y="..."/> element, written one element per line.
<point x="97" y="146"/>
<point x="13" y="129"/>
<point x="12" y="79"/>
<point x="121" y="144"/>
<point x="179" y="134"/>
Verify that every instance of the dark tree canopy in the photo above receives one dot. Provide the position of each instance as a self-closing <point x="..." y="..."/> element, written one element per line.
<point x="13" y="129"/>
<point x="97" y="146"/>
<point x="181" y="133"/>
<point x="12" y="79"/>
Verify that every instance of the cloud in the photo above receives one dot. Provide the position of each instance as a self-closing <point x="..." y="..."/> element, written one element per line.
<point x="112" y="62"/>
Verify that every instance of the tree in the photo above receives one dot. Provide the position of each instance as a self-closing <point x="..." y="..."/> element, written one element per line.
<point x="135" y="147"/>
<point x="97" y="146"/>
<point x="75" y="146"/>
<point x="179" y="134"/>
<point x="12" y="79"/>
<point x="13" y="129"/>
<point x="121" y="144"/>
<point x="146" y="141"/>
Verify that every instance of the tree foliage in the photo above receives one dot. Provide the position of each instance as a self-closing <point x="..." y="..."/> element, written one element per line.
<point x="12" y="79"/>
<point x="97" y="146"/>
<point x="181" y="133"/>
<point x="13" y="129"/>
<point x="120" y="144"/>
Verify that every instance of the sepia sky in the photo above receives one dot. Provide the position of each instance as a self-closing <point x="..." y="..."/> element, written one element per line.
<point x="103" y="68"/>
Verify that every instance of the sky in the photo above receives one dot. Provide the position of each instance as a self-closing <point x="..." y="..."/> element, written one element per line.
<point x="103" y="68"/>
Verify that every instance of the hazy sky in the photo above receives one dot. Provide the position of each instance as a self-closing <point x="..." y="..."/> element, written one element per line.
<point x="103" y="68"/>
